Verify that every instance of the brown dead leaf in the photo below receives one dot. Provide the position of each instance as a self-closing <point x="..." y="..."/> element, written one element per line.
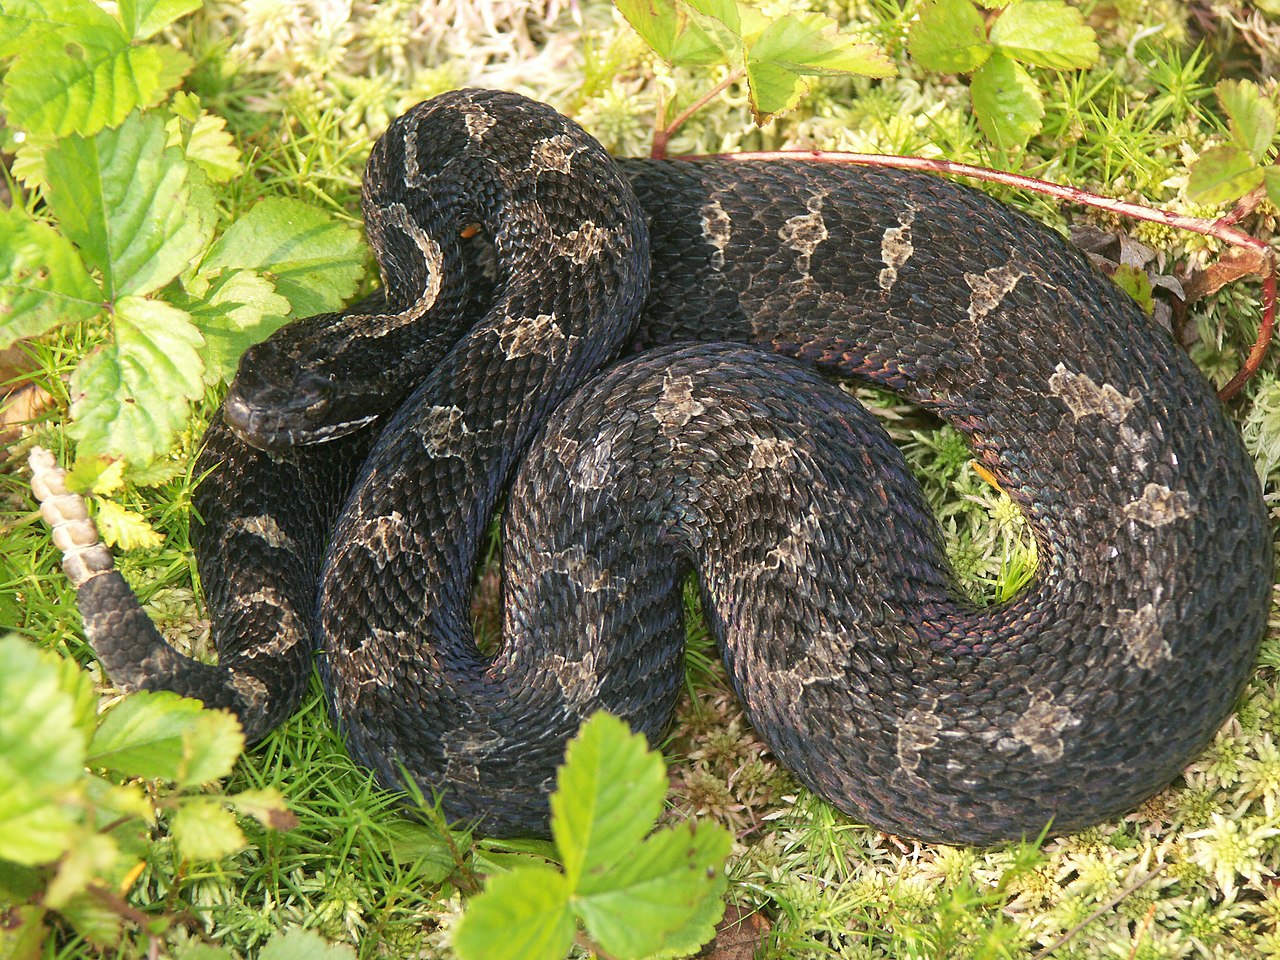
<point x="738" y="936"/>
<point x="21" y="401"/>
<point x="1235" y="263"/>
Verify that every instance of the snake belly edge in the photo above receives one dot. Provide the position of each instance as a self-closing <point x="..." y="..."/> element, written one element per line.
<point x="735" y="293"/>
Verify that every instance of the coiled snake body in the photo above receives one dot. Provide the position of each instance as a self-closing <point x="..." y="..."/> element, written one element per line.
<point x="719" y="447"/>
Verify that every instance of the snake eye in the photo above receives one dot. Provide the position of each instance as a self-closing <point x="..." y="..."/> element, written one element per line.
<point x="315" y="391"/>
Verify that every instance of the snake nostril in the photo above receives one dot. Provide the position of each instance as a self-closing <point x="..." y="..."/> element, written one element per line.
<point x="237" y="413"/>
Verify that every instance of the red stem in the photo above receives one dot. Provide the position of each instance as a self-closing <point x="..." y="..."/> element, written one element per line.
<point x="1221" y="228"/>
<point x="663" y="136"/>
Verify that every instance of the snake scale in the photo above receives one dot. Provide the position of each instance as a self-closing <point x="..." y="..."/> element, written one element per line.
<point x="720" y="300"/>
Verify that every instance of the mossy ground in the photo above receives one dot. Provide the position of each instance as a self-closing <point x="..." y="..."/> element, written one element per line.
<point x="307" y="86"/>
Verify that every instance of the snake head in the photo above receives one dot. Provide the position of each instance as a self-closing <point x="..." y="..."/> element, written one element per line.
<point x="285" y="394"/>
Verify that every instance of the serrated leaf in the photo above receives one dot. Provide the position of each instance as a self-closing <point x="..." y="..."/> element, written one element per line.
<point x="666" y="27"/>
<point x="210" y="145"/>
<point x="123" y="197"/>
<point x="33" y="829"/>
<point x="237" y="309"/>
<point x="124" y="529"/>
<point x="154" y="474"/>
<point x="949" y="36"/>
<point x="725" y="22"/>
<point x="522" y="915"/>
<point x="25" y="22"/>
<point x="1251" y="115"/>
<point x="93" y="919"/>
<point x="216" y="745"/>
<point x="267" y="806"/>
<point x="43" y="281"/>
<point x="1006" y="102"/>
<point x="47" y="710"/>
<point x="314" y="260"/>
<point x="204" y="139"/>
<point x="91" y="857"/>
<point x="299" y="944"/>
<point x="1222" y="174"/>
<point x="96" y="475"/>
<point x="799" y="45"/>
<point x="131" y="397"/>
<point x="664" y="900"/>
<point x="159" y="735"/>
<point x="46" y="715"/>
<point x="28" y="162"/>
<point x="1045" y="33"/>
<point x="145" y="735"/>
<point x="205" y="830"/>
<point x="146" y="18"/>
<point x="608" y="794"/>
<point x="80" y="79"/>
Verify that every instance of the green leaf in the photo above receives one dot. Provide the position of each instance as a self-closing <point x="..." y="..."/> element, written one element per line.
<point x="96" y="475"/>
<point x="1223" y="174"/>
<point x="123" y="198"/>
<point x="116" y="801"/>
<point x="79" y="79"/>
<point x="124" y="529"/>
<point x="93" y="919"/>
<point x="608" y="794"/>
<point x="1045" y="33"/>
<point x="949" y="36"/>
<point x="216" y="744"/>
<point x="665" y="25"/>
<point x="236" y="309"/>
<point x="522" y="915"/>
<point x="18" y="883"/>
<point x="1135" y="282"/>
<point x="25" y="22"/>
<point x="28" y="162"/>
<point x="663" y="900"/>
<point x="146" y="18"/>
<point x="33" y="828"/>
<point x="298" y="944"/>
<point x="314" y="260"/>
<point x="132" y="396"/>
<point x="1271" y="177"/>
<point x="206" y="142"/>
<point x="47" y="710"/>
<point x="1251" y="115"/>
<point x="43" y="281"/>
<point x="726" y="22"/>
<point x="159" y="735"/>
<point x="205" y="830"/>
<point x="43" y="699"/>
<point x="1006" y="102"/>
<point x="23" y="934"/>
<point x="92" y="857"/>
<point x="800" y="45"/>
